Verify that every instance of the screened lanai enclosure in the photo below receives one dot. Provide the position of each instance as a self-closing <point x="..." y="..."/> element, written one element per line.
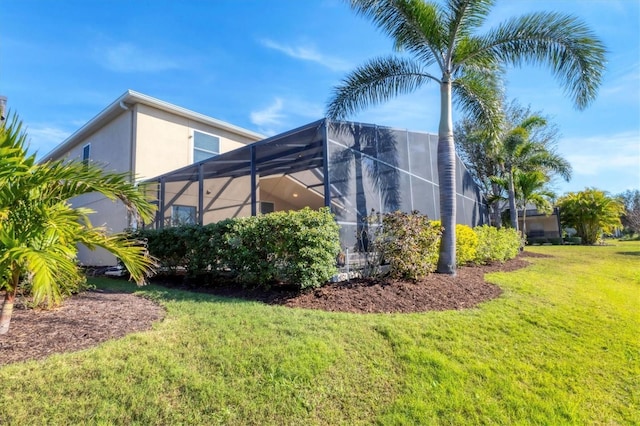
<point x="353" y="168"/>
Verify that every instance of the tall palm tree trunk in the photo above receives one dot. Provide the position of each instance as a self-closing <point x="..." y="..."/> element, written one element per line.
<point x="7" y="311"/>
<point x="7" y="304"/>
<point x="513" y="212"/>
<point x="447" y="182"/>
<point x="524" y="221"/>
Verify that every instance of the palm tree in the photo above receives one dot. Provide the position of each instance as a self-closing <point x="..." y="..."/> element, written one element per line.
<point x="39" y="228"/>
<point x="478" y="151"/>
<point x="590" y="212"/>
<point x="443" y="37"/>
<point x="531" y="189"/>
<point x="516" y="151"/>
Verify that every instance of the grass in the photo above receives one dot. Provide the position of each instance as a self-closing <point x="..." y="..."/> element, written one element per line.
<point x="560" y="346"/>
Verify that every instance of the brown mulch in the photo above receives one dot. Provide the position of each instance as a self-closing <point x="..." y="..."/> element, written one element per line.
<point x="92" y="317"/>
<point x="436" y="292"/>
<point x="83" y="321"/>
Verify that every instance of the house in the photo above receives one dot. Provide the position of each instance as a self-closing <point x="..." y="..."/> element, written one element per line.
<point x="202" y="170"/>
<point x="145" y="137"/>
<point x="353" y="168"/>
<point x="539" y="226"/>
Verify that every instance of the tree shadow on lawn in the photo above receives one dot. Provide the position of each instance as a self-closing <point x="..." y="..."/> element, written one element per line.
<point x="629" y="253"/>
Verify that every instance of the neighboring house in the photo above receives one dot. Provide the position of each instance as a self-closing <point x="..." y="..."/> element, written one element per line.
<point x="202" y="170"/>
<point x="539" y="225"/>
<point x="145" y="137"/>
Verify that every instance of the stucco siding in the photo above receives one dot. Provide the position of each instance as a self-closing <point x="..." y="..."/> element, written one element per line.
<point x="164" y="141"/>
<point x="223" y="198"/>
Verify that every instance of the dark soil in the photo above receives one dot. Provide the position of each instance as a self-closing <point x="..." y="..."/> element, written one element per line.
<point x="92" y="317"/>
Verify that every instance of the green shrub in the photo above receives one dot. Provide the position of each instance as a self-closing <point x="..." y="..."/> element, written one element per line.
<point x="573" y="240"/>
<point x="466" y="243"/>
<point x="167" y="245"/>
<point x="496" y="245"/>
<point x="409" y="243"/>
<point x="297" y="247"/>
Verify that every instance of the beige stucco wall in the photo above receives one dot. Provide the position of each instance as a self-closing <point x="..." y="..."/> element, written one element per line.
<point x="110" y="145"/>
<point x="224" y="198"/>
<point x="110" y="150"/>
<point x="164" y="141"/>
<point x="148" y="142"/>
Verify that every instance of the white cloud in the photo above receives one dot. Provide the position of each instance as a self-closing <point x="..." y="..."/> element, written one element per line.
<point x="608" y="162"/>
<point x="307" y="53"/>
<point x="269" y="118"/>
<point x="624" y="85"/>
<point x="126" y="57"/>
<point x="284" y="114"/>
<point x="305" y="109"/>
<point x="597" y="154"/>
<point x="43" y="138"/>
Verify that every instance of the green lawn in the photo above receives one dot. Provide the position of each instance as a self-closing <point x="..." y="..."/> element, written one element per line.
<point x="560" y="346"/>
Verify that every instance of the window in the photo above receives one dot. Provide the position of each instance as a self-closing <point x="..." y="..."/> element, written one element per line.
<point x="183" y="215"/>
<point x="86" y="154"/>
<point x="204" y="146"/>
<point x="267" y="207"/>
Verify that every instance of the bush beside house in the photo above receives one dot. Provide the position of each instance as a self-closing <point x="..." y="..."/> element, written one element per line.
<point x="295" y="247"/>
<point x="300" y="248"/>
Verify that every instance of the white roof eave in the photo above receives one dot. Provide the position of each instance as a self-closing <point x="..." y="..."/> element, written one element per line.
<point x="131" y="97"/>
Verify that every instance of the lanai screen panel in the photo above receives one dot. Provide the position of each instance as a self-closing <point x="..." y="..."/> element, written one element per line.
<point x="220" y="187"/>
<point x="380" y="169"/>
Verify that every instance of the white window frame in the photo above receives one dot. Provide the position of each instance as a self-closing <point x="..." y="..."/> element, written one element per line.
<point x="194" y="148"/>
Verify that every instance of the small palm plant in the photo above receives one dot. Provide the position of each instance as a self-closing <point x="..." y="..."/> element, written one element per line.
<point x="40" y="229"/>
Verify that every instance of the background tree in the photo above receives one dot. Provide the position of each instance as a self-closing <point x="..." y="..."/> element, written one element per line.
<point x="40" y="229"/>
<point x="590" y="212"/>
<point x="531" y="189"/>
<point x="516" y="151"/>
<point x="480" y="151"/>
<point x="443" y="47"/>
<point x="631" y="217"/>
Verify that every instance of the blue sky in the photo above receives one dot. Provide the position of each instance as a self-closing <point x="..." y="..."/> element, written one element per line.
<point x="270" y="66"/>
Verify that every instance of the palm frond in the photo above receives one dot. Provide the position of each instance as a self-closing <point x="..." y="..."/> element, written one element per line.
<point x="576" y="56"/>
<point x="414" y="25"/>
<point x="479" y="95"/>
<point x="465" y="16"/>
<point x="132" y="254"/>
<point x="64" y="180"/>
<point x="377" y="81"/>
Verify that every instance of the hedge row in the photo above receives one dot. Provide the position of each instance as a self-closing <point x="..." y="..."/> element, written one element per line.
<point x="296" y="247"/>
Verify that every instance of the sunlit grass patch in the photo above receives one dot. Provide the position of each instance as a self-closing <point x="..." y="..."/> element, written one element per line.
<point x="560" y="346"/>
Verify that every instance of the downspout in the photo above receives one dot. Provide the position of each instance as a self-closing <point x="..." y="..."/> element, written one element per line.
<point x="132" y="154"/>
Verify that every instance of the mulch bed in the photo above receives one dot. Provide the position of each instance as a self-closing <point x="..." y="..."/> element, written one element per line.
<point x="83" y="321"/>
<point x="92" y="317"/>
